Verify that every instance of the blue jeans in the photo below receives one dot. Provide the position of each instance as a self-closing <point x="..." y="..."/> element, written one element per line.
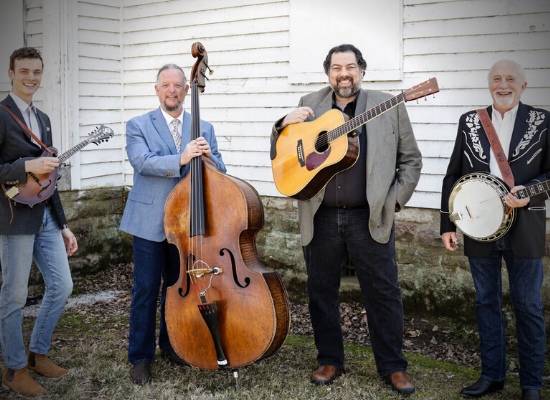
<point x="336" y="230"/>
<point x="48" y="251"/>
<point x="525" y="277"/>
<point x="152" y="261"/>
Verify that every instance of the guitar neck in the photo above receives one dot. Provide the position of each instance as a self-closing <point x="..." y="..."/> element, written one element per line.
<point x="365" y="117"/>
<point x="534" y="190"/>
<point x="73" y="150"/>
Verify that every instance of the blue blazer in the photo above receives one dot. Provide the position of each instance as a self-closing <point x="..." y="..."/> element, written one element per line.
<point x="152" y="153"/>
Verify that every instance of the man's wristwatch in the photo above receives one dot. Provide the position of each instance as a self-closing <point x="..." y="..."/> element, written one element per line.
<point x="64" y="226"/>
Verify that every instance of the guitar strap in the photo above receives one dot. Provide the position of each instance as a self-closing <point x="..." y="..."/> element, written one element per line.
<point x="496" y="147"/>
<point x="28" y="131"/>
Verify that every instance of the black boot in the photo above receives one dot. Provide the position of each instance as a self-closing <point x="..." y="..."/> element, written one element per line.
<point x="481" y="388"/>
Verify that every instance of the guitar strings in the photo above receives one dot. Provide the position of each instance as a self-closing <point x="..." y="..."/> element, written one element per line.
<point x="326" y="137"/>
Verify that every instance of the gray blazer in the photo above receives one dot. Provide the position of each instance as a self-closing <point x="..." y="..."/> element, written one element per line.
<point x="153" y="154"/>
<point x="393" y="162"/>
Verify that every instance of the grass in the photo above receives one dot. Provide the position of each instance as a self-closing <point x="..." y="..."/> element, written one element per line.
<point x="94" y="350"/>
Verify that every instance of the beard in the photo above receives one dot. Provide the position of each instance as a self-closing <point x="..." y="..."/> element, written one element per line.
<point x="349" y="91"/>
<point x="172" y="108"/>
<point x="504" y="101"/>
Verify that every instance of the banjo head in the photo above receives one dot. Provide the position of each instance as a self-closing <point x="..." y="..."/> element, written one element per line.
<point x="478" y="209"/>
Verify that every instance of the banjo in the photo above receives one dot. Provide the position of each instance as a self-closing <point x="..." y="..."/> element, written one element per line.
<point x="478" y="208"/>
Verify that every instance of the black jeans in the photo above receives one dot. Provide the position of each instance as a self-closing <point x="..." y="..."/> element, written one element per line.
<point x="336" y="230"/>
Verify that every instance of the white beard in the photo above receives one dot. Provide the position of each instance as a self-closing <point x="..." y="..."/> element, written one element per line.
<point x="504" y="101"/>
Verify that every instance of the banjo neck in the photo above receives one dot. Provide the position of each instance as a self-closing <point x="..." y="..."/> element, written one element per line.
<point x="533" y="190"/>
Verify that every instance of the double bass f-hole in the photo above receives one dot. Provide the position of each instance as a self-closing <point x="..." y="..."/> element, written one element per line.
<point x="234" y="269"/>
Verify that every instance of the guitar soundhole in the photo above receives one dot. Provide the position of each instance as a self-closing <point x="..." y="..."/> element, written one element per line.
<point x="321" y="143"/>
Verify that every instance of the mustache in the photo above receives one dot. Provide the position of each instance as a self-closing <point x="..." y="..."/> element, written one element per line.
<point x="342" y="78"/>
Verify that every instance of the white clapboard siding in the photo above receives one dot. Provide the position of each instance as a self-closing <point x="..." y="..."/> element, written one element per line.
<point x="492" y="25"/>
<point x="100" y="90"/>
<point x="121" y="45"/>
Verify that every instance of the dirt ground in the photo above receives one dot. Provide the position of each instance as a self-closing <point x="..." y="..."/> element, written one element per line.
<point x="441" y="339"/>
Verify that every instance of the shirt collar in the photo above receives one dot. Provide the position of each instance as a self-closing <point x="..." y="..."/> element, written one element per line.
<point x="22" y="104"/>
<point x="512" y="113"/>
<point x="169" y="118"/>
<point x="350" y="107"/>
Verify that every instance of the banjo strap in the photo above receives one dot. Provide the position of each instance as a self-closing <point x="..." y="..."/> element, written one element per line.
<point x="496" y="147"/>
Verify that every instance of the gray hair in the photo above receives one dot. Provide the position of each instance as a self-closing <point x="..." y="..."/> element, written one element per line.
<point x="171" y="66"/>
<point x="518" y="67"/>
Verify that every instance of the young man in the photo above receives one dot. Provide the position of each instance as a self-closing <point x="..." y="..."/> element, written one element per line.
<point x="40" y="233"/>
<point x="159" y="147"/>
<point x="523" y="133"/>
<point x="355" y="213"/>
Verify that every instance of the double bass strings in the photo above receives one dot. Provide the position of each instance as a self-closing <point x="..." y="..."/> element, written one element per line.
<point x="196" y="212"/>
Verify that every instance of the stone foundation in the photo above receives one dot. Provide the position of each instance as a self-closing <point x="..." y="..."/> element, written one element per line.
<point x="434" y="281"/>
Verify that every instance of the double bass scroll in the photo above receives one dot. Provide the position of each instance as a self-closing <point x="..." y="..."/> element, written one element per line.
<point x="226" y="310"/>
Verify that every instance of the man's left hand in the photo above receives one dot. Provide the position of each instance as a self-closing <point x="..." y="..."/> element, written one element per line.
<point x="512" y="201"/>
<point x="204" y="146"/>
<point x="70" y="241"/>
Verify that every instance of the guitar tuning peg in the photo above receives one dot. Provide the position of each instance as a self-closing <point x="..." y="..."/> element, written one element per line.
<point x="425" y="99"/>
<point x="417" y="101"/>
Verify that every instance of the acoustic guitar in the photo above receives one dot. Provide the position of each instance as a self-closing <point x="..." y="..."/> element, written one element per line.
<point x="39" y="188"/>
<point x="305" y="156"/>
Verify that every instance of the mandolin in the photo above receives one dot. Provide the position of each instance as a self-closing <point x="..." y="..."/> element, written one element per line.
<point x="40" y="188"/>
<point x="305" y="156"/>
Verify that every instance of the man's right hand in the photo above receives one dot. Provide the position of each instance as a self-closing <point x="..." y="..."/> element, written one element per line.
<point x="298" y="115"/>
<point x="450" y="240"/>
<point x="41" y="165"/>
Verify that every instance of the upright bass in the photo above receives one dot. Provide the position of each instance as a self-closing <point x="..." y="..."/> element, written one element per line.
<point x="226" y="310"/>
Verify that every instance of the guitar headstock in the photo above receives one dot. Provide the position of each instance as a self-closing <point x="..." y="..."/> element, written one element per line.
<point x="422" y="90"/>
<point x="101" y="134"/>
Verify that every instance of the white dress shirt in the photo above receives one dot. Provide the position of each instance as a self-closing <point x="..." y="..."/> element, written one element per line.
<point x="29" y="114"/>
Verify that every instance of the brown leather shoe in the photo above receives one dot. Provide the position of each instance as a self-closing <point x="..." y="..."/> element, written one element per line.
<point x="325" y="375"/>
<point x="400" y="382"/>
<point x="21" y="382"/>
<point x="42" y="364"/>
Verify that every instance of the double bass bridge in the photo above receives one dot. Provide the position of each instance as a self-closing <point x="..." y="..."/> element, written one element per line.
<point x="200" y="272"/>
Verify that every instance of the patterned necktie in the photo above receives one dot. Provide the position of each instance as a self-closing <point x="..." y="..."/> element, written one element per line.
<point x="177" y="138"/>
<point x="33" y="127"/>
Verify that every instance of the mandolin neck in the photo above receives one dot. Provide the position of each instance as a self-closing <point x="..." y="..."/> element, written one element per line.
<point x="73" y="150"/>
<point x="365" y="117"/>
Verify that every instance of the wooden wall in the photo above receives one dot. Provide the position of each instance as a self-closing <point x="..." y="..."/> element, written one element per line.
<point x="100" y="90"/>
<point x="122" y="43"/>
